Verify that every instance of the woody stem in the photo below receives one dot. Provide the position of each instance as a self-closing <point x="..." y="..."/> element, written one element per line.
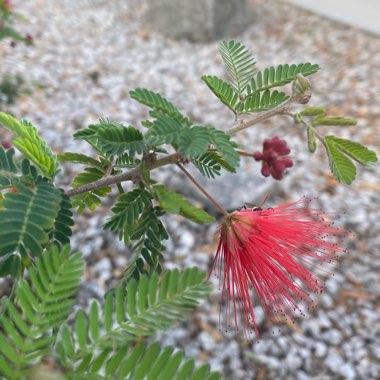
<point x="205" y="193"/>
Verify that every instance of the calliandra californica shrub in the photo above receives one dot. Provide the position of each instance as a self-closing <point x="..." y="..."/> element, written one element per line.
<point x="273" y="253"/>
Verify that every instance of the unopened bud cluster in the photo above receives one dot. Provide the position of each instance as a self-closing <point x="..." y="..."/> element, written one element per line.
<point x="274" y="157"/>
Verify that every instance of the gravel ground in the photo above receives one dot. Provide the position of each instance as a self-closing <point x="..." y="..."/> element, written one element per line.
<point x="88" y="54"/>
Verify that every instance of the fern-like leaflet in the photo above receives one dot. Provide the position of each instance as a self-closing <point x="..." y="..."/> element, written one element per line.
<point x="159" y="104"/>
<point x="40" y="305"/>
<point x="30" y="143"/>
<point x="103" y="341"/>
<point x="61" y="231"/>
<point x="112" y="139"/>
<point x="127" y="210"/>
<point x="91" y="198"/>
<point x="148" y="232"/>
<point x="26" y="217"/>
<point x="261" y="101"/>
<point x="223" y="90"/>
<point x="135" y="219"/>
<point x="240" y="64"/>
<point x="211" y="163"/>
<point x="279" y="76"/>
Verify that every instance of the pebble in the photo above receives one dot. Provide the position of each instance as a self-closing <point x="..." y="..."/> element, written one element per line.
<point x="320" y="349"/>
<point x="348" y="371"/>
<point x="207" y="341"/>
<point x="333" y="337"/>
<point x="334" y="360"/>
<point x="102" y="268"/>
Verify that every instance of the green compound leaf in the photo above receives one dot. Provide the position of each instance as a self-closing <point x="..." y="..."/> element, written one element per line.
<point x="10" y="265"/>
<point x="91" y="198"/>
<point x="29" y="142"/>
<point x="239" y="62"/>
<point x="158" y="103"/>
<point x="356" y="151"/>
<point x="225" y="147"/>
<point x="311" y="140"/>
<point x="11" y="33"/>
<point x="79" y="158"/>
<point x="194" y="141"/>
<point x="210" y="164"/>
<point x="126" y="161"/>
<point x="165" y="130"/>
<point x="111" y="139"/>
<point x="61" y="231"/>
<point x="258" y="101"/>
<point x="41" y="305"/>
<point x="336" y="121"/>
<point x="279" y="76"/>
<point x="117" y="139"/>
<point x="86" y="201"/>
<point x="148" y="232"/>
<point x="313" y="111"/>
<point x="224" y="91"/>
<point x="6" y="160"/>
<point x="341" y="166"/>
<point x="174" y="203"/>
<point x="108" y="341"/>
<point x="26" y="217"/>
<point x="150" y="362"/>
<point x="127" y="209"/>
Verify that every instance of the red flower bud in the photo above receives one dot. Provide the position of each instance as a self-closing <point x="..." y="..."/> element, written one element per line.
<point x="274" y="162"/>
<point x="6" y="144"/>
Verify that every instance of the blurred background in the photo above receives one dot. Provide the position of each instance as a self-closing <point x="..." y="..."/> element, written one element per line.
<point x="87" y="56"/>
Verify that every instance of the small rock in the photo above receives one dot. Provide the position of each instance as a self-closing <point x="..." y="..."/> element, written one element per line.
<point x="301" y="375"/>
<point x="334" y="361"/>
<point x="348" y="372"/>
<point x="293" y="361"/>
<point x="332" y="336"/>
<point x="103" y="267"/>
<point x="270" y="362"/>
<point x="320" y="349"/>
<point x="207" y="341"/>
<point x="185" y="242"/>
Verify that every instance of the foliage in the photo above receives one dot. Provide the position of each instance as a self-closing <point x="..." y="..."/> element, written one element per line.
<point x="174" y="203"/>
<point x="7" y="21"/>
<point x="28" y="141"/>
<point x="341" y="152"/>
<point x="36" y="219"/>
<point x="39" y="307"/>
<point x="11" y="87"/>
<point x="104" y="342"/>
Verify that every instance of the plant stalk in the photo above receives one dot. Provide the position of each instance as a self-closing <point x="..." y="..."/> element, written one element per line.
<point x="200" y="188"/>
<point x="258" y="118"/>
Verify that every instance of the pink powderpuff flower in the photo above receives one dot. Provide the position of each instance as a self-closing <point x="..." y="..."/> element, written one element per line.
<point x="270" y="252"/>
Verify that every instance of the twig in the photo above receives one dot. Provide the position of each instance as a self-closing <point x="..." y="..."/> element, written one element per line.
<point x="128" y="176"/>
<point x="200" y="188"/>
<point x="260" y="117"/>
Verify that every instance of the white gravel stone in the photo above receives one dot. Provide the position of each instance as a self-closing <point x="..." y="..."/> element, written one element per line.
<point x="103" y="268"/>
<point x="206" y="341"/>
<point x="320" y="349"/>
<point x="333" y="337"/>
<point x="334" y="360"/>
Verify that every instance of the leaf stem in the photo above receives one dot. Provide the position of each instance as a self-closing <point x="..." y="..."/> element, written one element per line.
<point x="244" y="153"/>
<point x="128" y="176"/>
<point x="200" y="188"/>
<point x="251" y="120"/>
